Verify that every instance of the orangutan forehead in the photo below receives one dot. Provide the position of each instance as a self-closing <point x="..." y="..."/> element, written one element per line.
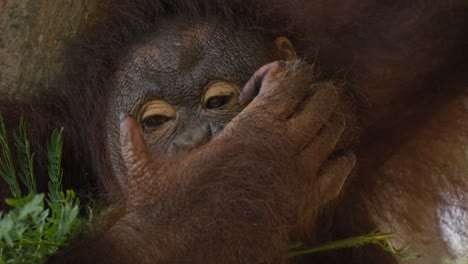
<point x="178" y="35"/>
<point x="173" y="47"/>
<point x="198" y="34"/>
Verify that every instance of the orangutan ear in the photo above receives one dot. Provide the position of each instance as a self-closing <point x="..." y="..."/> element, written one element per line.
<point x="285" y="48"/>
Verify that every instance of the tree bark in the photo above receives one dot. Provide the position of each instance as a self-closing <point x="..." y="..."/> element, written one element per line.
<point x="33" y="34"/>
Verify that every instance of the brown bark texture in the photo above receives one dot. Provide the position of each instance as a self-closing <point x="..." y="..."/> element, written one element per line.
<point x="32" y="37"/>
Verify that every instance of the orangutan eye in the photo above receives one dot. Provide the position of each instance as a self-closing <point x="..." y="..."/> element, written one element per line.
<point x="156" y="114"/>
<point x="220" y="96"/>
<point x="218" y="102"/>
<point x="154" y="122"/>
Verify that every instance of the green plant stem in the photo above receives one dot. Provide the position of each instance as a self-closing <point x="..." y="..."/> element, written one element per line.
<point x="345" y="243"/>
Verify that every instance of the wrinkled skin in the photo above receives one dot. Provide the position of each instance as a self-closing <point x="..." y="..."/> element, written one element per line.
<point x="170" y="209"/>
<point x="178" y="66"/>
<point x="195" y="192"/>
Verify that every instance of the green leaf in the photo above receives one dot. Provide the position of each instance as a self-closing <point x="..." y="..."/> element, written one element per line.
<point x="402" y="252"/>
<point x="6" y="225"/>
<point x="54" y="150"/>
<point x="30" y="232"/>
<point x="68" y="217"/>
<point x="7" y="169"/>
<point x="25" y="158"/>
<point x="34" y="206"/>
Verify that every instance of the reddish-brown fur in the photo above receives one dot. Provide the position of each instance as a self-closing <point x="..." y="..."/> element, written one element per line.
<point x="402" y="66"/>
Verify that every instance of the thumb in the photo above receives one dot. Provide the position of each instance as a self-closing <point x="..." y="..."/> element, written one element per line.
<point x="135" y="153"/>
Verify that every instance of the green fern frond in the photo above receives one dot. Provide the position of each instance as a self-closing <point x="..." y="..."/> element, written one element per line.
<point x="30" y="231"/>
<point x="25" y="158"/>
<point x="54" y="150"/>
<point x="7" y="168"/>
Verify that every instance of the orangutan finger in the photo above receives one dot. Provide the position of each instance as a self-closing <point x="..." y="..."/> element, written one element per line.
<point x="315" y="112"/>
<point x="333" y="175"/>
<point x="324" y="143"/>
<point x="133" y="147"/>
<point x="252" y="87"/>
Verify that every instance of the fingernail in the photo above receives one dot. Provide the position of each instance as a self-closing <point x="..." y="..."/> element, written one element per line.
<point x="243" y="102"/>
<point x="122" y="116"/>
<point x="240" y="100"/>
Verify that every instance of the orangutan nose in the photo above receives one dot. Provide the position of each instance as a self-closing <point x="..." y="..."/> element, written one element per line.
<point x="191" y="139"/>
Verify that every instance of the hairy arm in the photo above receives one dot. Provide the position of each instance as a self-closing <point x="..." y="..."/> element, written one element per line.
<point x="241" y="198"/>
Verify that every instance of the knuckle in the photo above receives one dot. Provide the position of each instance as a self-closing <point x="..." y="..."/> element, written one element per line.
<point x="328" y="86"/>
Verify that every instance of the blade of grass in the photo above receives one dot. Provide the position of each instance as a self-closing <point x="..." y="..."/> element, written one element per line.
<point x="352" y="242"/>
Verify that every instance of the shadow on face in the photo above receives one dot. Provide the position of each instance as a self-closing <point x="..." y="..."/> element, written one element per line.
<point x="182" y="83"/>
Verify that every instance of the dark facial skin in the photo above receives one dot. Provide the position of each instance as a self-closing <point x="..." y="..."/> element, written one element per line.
<point x="182" y="85"/>
<point x="402" y="67"/>
<point x="240" y="198"/>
